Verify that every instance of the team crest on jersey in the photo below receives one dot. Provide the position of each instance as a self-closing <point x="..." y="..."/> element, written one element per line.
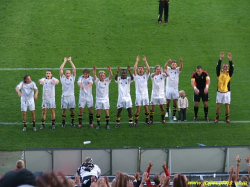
<point x="106" y="80"/>
<point x="70" y="79"/>
<point x="119" y="79"/>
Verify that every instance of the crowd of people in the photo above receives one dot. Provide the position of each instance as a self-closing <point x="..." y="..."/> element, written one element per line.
<point x="162" y="93"/>
<point x="89" y="175"/>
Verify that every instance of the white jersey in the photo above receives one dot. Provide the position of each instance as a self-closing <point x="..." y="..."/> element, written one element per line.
<point x="102" y="89"/>
<point x="96" y="171"/>
<point x="48" y="88"/>
<point x="68" y="85"/>
<point x="123" y="88"/>
<point x="85" y="93"/>
<point x="27" y="90"/>
<point x="141" y="84"/>
<point x="173" y="78"/>
<point x="158" y="86"/>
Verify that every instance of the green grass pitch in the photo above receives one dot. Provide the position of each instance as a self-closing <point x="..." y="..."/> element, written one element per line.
<point x="39" y="34"/>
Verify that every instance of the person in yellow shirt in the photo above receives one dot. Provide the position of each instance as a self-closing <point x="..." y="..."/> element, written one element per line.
<point x="223" y="90"/>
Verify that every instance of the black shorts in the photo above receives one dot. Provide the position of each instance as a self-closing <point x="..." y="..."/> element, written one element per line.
<point x="201" y="95"/>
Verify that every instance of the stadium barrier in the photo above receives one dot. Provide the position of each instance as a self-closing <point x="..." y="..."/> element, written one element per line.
<point x="196" y="161"/>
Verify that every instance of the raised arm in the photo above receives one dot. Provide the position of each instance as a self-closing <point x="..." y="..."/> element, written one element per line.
<point x="117" y="73"/>
<point x="218" y="67"/>
<point x="131" y="74"/>
<point x="110" y="72"/>
<point x="146" y="63"/>
<point x="136" y="64"/>
<point x="231" y="65"/>
<point x="230" y="180"/>
<point x="94" y="72"/>
<point x="167" y="63"/>
<point x="248" y="164"/>
<point x="62" y="66"/>
<point x="73" y="66"/>
<point x="238" y="160"/>
<point x="181" y="64"/>
<point x="164" y="166"/>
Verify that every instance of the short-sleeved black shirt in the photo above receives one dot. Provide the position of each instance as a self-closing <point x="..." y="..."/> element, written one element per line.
<point x="200" y="81"/>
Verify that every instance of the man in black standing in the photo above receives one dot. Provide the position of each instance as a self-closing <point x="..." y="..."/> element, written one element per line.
<point x="163" y="5"/>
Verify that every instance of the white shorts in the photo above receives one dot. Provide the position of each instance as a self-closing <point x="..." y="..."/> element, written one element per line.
<point x="102" y="105"/>
<point x="68" y="102"/>
<point x="49" y="104"/>
<point x="86" y="101"/>
<point x="224" y="98"/>
<point x="141" y="101"/>
<point x="172" y="93"/>
<point x="25" y="104"/>
<point x="158" y="101"/>
<point x="124" y="103"/>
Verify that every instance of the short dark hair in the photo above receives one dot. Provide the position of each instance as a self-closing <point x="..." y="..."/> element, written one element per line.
<point x="199" y="67"/>
<point x="86" y="71"/>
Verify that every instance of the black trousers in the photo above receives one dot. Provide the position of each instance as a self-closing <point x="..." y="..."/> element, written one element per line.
<point x="182" y="111"/>
<point x="163" y="6"/>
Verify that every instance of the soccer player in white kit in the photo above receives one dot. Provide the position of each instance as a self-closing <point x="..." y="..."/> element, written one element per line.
<point x="27" y="86"/>
<point x="48" y="83"/>
<point x="102" y="95"/>
<point x="158" y="95"/>
<point x="68" y="93"/>
<point x="124" y="98"/>
<point x="141" y="87"/>
<point x="85" y="83"/>
<point x="172" y="84"/>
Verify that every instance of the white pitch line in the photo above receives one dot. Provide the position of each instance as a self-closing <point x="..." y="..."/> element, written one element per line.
<point x="30" y="69"/>
<point x="140" y="122"/>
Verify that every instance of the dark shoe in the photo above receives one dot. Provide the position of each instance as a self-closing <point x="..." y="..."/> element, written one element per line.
<point x="117" y="126"/>
<point x="42" y="127"/>
<point x="97" y="127"/>
<point x="107" y="127"/>
<point x="72" y="124"/>
<point x="53" y="127"/>
<point x="207" y="119"/>
<point x="195" y="119"/>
